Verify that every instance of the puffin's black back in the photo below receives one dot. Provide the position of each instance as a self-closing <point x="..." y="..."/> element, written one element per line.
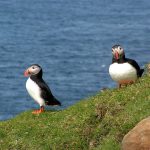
<point x="46" y="93"/>
<point x="130" y="61"/>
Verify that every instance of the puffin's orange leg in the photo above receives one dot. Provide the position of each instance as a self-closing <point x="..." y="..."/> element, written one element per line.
<point x="125" y="83"/>
<point x="39" y="110"/>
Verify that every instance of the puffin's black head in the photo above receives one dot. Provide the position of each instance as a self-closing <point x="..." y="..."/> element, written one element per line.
<point x="117" y="52"/>
<point x="33" y="70"/>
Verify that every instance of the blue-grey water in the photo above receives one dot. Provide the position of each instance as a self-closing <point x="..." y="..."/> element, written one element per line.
<point x="71" y="40"/>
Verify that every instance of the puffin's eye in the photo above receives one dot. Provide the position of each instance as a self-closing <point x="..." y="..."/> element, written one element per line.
<point x="33" y="67"/>
<point x="120" y="48"/>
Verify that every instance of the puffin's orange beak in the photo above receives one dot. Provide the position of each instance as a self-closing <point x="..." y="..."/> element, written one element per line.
<point x="26" y="73"/>
<point x="116" y="55"/>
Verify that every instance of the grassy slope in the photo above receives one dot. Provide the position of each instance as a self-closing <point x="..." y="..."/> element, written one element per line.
<point x="99" y="122"/>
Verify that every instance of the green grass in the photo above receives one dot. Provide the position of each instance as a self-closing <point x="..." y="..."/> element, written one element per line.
<point x="99" y="122"/>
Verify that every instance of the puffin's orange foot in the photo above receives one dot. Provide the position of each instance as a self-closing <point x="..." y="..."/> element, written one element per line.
<point x="38" y="111"/>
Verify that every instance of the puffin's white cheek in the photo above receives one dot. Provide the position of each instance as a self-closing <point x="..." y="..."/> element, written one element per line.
<point x="36" y="71"/>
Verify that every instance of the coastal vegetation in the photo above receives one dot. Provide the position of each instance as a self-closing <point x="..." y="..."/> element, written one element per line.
<point x="98" y="122"/>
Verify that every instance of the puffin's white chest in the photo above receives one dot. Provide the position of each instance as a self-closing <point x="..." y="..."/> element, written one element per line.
<point x="122" y="72"/>
<point x="34" y="91"/>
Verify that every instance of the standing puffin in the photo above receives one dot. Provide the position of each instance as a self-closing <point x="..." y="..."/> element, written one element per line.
<point x="38" y="89"/>
<point x="123" y="70"/>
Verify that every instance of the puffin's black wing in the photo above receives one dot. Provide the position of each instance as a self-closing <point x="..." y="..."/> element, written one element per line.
<point x="47" y="95"/>
<point x="136" y="66"/>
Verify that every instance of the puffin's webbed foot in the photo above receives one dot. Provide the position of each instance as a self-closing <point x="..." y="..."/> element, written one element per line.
<point x="39" y="110"/>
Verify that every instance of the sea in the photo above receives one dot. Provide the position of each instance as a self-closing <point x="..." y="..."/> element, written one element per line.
<point x="71" y="40"/>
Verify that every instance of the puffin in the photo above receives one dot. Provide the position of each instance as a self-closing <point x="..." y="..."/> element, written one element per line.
<point x="123" y="70"/>
<point x="38" y="89"/>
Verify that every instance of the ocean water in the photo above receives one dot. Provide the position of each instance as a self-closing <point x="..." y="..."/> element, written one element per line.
<point x="71" y="40"/>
